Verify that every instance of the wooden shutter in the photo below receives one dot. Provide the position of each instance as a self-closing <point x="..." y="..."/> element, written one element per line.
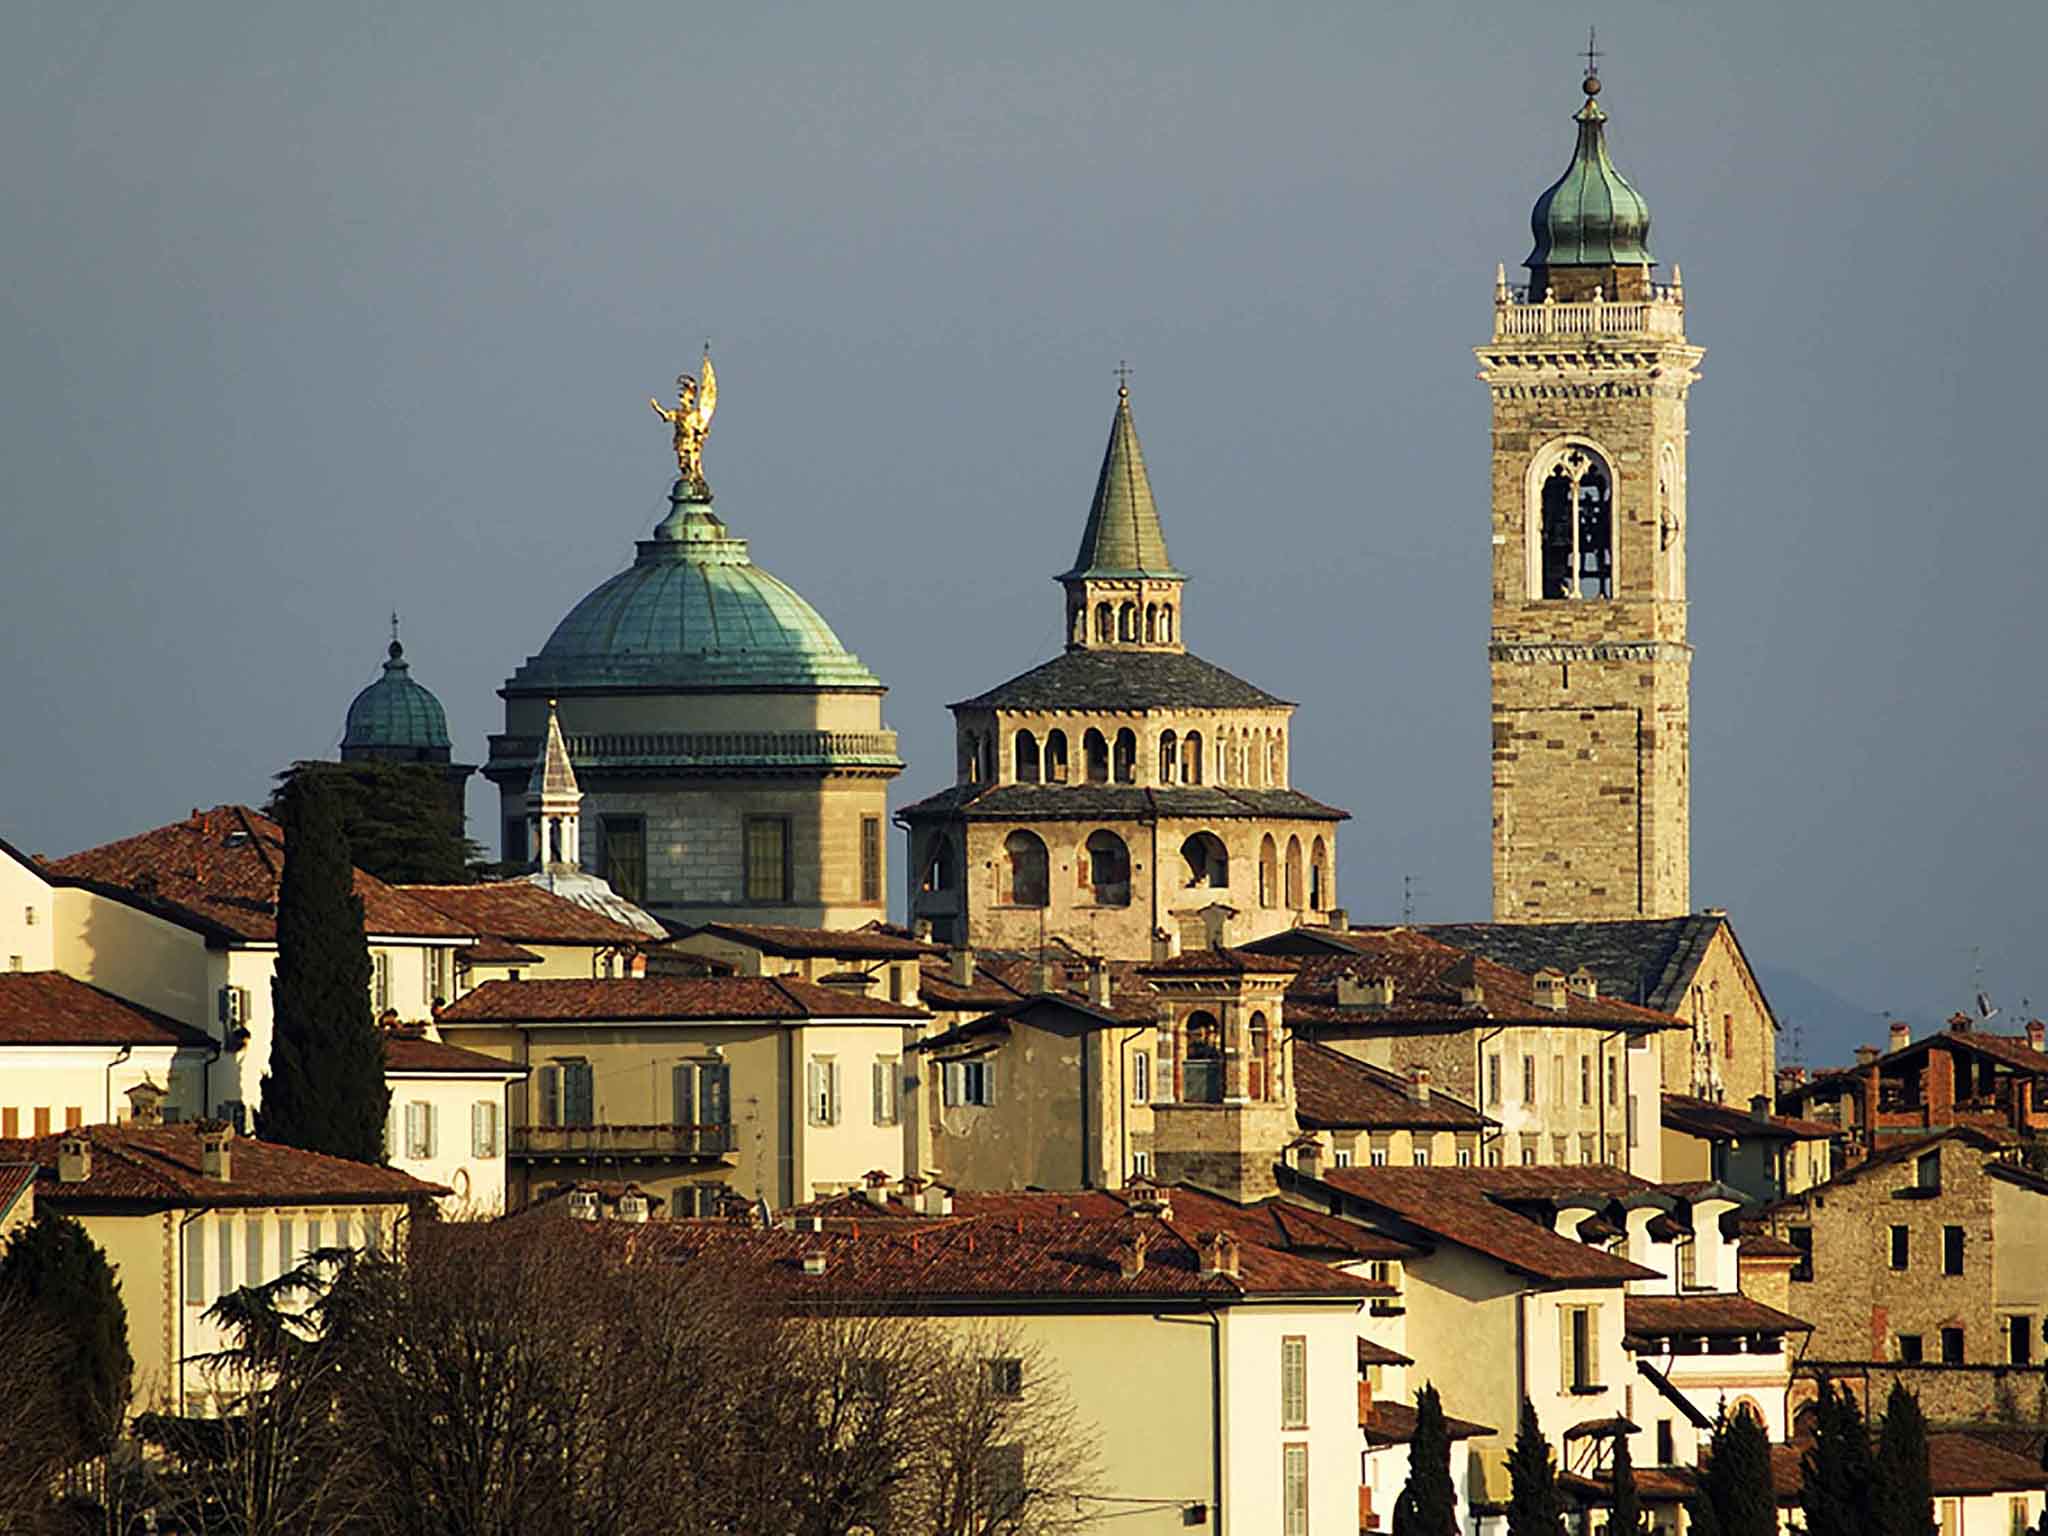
<point x="831" y="1093"/>
<point x="714" y="1094"/>
<point x="1592" y="1315"/>
<point x="1566" y="1365"/>
<point x="550" y="1095"/>
<point x="1293" y="1382"/>
<point x="433" y="1126"/>
<point x="683" y="1082"/>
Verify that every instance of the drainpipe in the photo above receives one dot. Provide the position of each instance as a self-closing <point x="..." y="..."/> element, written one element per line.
<point x="183" y="1308"/>
<point x="1479" y="1083"/>
<point x="125" y="1052"/>
<point x="1214" y="1324"/>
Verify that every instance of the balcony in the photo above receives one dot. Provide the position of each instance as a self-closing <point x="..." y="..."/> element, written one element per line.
<point x="706" y="751"/>
<point x="1661" y="315"/>
<point x="649" y="1143"/>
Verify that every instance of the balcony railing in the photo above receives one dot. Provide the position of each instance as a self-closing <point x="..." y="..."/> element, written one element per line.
<point x="610" y="1141"/>
<point x="1662" y="314"/>
<point x="708" y="749"/>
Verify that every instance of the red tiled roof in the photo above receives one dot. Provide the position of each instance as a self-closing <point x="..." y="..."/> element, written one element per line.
<point x="1220" y="961"/>
<point x="1727" y="1122"/>
<point x="1958" y="1464"/>
<point x="160" y="1166"/>
<point x="789" y="940"/>
<point x="1463" y="1206"/>
<point x="1370" y="1353"/>
<point x="522" y="912"/>
<point x="1332" y="1089"/>
<point x="219" y="870"/>
<point x="666" y="997"/>
<point x="993" y="1258"/>
<point x="1761" y="1245"/>
<point x="50" y="1008"/>
<point x="1387" y="1423"/>
<point x="1705" y="1316"/>
<point x="16" y="1179"/>
<point x="489" y="949"/>
<point x="411" y="1053"/>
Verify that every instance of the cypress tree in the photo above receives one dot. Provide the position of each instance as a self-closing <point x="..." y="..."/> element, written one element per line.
<point x="1534" y="1508"/>
<point x="398" y="819"/>
<point x="1625" y="1517"/>
<point x="63" y="1276"/>
<point x="325" y="1088"/>
<point x="1428" y="1505"/>
<point x="1905" y="1488"/>
<point x="1835" y="1473"/>
<point x="1734" y="1497"/>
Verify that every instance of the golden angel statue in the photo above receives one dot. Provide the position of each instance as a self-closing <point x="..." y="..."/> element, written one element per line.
<point x="691" y="419"/>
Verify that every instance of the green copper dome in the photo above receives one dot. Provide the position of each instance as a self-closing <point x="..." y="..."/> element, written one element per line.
<point x="693" y="611"/>
<point x="1591" y="216"/>
<point x="395" y="711"/>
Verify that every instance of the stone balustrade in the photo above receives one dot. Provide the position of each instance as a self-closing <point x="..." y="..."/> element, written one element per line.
<point x="709" y="749"/>
<point x="1662" y="314"/>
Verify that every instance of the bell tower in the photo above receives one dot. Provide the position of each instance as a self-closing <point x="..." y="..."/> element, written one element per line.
<point x="1589" y="369"/>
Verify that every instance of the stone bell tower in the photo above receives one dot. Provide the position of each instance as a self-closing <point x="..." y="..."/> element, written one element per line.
<point x="1589" y="368"/>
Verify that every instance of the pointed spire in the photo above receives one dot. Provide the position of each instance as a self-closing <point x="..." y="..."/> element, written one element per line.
<point x="554" y="776"/>
<point x="554" y="803"/>
<point x="1123" y="536"/>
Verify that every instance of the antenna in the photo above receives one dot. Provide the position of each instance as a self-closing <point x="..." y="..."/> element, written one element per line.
<point x="1407" y="899"/>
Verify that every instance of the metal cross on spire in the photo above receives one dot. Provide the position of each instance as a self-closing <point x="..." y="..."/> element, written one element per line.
<point x="1593" y="53"/>
<point x="1123" y="377"/>
<point x="394" y="626"/>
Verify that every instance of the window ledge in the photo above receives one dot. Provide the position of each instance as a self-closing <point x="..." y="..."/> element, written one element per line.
<point x="1586" y="1391"/>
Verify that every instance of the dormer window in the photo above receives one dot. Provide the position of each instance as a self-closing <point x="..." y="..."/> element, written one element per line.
<point x="1576" y="539"/>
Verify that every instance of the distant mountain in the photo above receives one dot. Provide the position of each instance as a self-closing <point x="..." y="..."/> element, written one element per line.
<point x="1818" y="1027"/>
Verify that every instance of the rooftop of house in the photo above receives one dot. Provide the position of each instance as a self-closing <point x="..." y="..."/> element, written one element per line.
<point x="1646" y="960"/>
<point x="414" y="1053"/>
<point x="654" y="998"/>
<point x="160" y="1166"/>
<point x="1333" y="1091"/>
<point x="1958" y="1464"/>
<point x="1391" y="1423"/>
<point x="1702" y="1315"/>
<point x="521" y="912"/>
<point x="1900" y="1158"/>
<point x="1474" y="1208"/>
<point x="1728" y="1122"/>
<point x="218" y="871"/>
<point x="787" y="940"/>
<point x="51" y="1008"/>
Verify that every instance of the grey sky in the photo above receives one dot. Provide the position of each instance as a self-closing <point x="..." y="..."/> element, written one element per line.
<point x="310" y="312"/>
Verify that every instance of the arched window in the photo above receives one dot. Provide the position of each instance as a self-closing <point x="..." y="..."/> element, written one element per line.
<point x="1105" y="623"/>
<point x="1294" y="874"/>
<point x="1077" y="623"/>
<point x="1151" y="623"/>
<point x="1166" y="623"/>
<point x="1201" y="1080"/>
<point x="1127" y="622"/>
<point x="941" y="868"/>
<point x="1191" y="758"/>
<point x="1255" y="759"/>
<point x="1055" y="757"/>
<point x="1109" y="869"/>
<point x="1126" y="756"/>
<point x="1274" y="763"/>
<point x="1257" y="1061"/>
<point x="1671" y="520"/>
<point x="970" y="758"/>
<point x="1029" y="881"/>
<point x="1207" y="861"/>
<point x="1025" y="750"/>
<point x="1318" y="876"/>
<point x="988" y="758"/>
<point x="1269" y="871"/>
<point x="1169" y="756"/>
<point x="1096" y="751"/>
<point x="1577" y="539"/>
<point x="1226" y="759"/>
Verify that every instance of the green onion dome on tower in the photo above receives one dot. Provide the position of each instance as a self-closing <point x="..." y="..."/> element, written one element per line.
<point x="1590" y="216"/>
<point x="396" y="713"/>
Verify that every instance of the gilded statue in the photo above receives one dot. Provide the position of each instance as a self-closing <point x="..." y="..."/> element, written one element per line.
<point x="691" y="420"/>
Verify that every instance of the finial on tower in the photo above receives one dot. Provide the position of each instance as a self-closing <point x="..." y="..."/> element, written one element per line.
<point x="1123" y="379"/>
<point x="397" y="650"/>
<point x="691" y="419"/>
<point x="1593" y="55"/>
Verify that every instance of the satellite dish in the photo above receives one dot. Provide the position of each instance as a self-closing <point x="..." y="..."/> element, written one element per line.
<point x="1985" y="1010"/>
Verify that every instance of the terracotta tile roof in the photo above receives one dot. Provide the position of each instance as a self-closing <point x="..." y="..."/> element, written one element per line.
<point x="1370" y="1353"/>
<point x="1223" y="960"/>
<point x="667" y="997"/>
<point x="2010" y="1050"/>
<point x="1727" y="1122"/>
<point x="1958" y="1464"/>
<point x="218" y="871"/>
<point x="50" y="1008"/>
<point x="1016" y="973"/>
<point x="1705" y="1316"/>
<point x="1388" y="1423"/>
<point x="1428" y="975"/>
<point x="520" y="911"/>
<point x="491" y="950"/>
<point x="409" y="1053"/>
<point x="994" y="1258"/>
<point x="831" y="943"/>
<point x="1468" y="1206"/>
<point x="16" y="1180"/>
<point x="1333" y="1090"/>
<point x="1761" y="1245"/>
<point x="160" y="1166"/>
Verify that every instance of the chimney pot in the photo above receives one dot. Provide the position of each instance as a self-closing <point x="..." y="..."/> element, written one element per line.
<point x="814" y="1263"/>
<point x="74" y="1160"/>
<point x="2036" y="1032"/>
<point x="1098" y="982"/>
<point x="145" y="1104"/>
<point x="1550" y="990"/>
<point x="1866" y="1054"/>
<point x="1759" y="1106"/>
<point x="215" y="1159"/>
<point x="1308" y="1157"/>
<point x="1218" y="1254"/>
<point x="921" y="930"/>
<point x="1340" y="920"/>
<point x="963" y="965"/>
<point x="1165" y="943"/>
<point x="1900" y="1035"/>
<point x="1418" y="1084"/>
<point x="1365" y="992"/>
<point x="1131" y="1257"/>
<point x="1583" y="984"/>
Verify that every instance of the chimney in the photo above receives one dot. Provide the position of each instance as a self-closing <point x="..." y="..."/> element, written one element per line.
<point x="875" y="1185"/>
<point x="1550" y="990"/>
<point x="1142" y="1197"/>
<point x="74" y="1159"/>
<point x="1308" y="1157"/>
<point x="1216" y="925"/>
<point x="146" y="1104"/>
<point x="1759" y="1106"/>
<point x="937" y="1201"/>
<point x="1418" y="1084"/>
<point x="963" y="965"/>
<point x="1464" y="975"/>
<point x="1583" y="984"/>
<point x="637" y="966"/>
<point x="1959" y="1023"/>
<point x="1098" y="982"/>
<point x="859" y="983"/>
<point x="1130" y="1258"/>
<point x="1867" y="1054"/>
<point x="214" y="1160"/>
<point x="1354" y="991"/>
<point x="1218" y="1252"/>
<point x="1044" y="975"/>
<point x="1165" y="943"/>
<point x="1340" y="920"/>
<point x="814" y="1263"/>
<point x="2035" y="1032"/>
<point x="1901" y="1035"/>
<point x="921" y="930"/>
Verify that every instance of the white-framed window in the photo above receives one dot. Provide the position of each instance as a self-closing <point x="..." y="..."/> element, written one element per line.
<point x="1294" y="1490"/>
<point x="252" y="1251"/>
<point x="1379" y="1157"/>
<point x="1294" y="1381"/>
<point x="1006" y="1377"/>
<point x="1422" y="1157"/>
<point x="969" y="1082"/>
<point x="1493" y="1078"/>
<point x="1141" y="1077"/>
<point x="195" y="1264"/>
<point x="1340" y="1157"/>
<point x="1464" y="1157"/>
<point x="380" y="981"/>
<point x="1141" y="1163"/>
<point x="1578" y="1347"/>
<point x="288" y="1254"/>
<point x="822" y="1091"/>
<point x="1528" y="1079"/>
<point x="483" y="1128"/>
<point x="225" y="1227"/>
<point x="419" y="1130"/>
<point x="885" y="1084"/>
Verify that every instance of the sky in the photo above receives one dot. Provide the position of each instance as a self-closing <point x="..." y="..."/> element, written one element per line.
<point x="314" y="312"/>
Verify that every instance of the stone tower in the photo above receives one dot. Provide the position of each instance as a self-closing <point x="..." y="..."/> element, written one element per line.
<point x="1589" y="368"/>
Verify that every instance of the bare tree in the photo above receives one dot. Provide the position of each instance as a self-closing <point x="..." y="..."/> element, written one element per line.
<point x="32" y="1422"/>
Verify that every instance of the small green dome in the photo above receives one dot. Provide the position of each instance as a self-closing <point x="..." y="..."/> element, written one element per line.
<point x="693" y="611"/>
<point x="1591" y="216"/>
<point x="395" y="711"/>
